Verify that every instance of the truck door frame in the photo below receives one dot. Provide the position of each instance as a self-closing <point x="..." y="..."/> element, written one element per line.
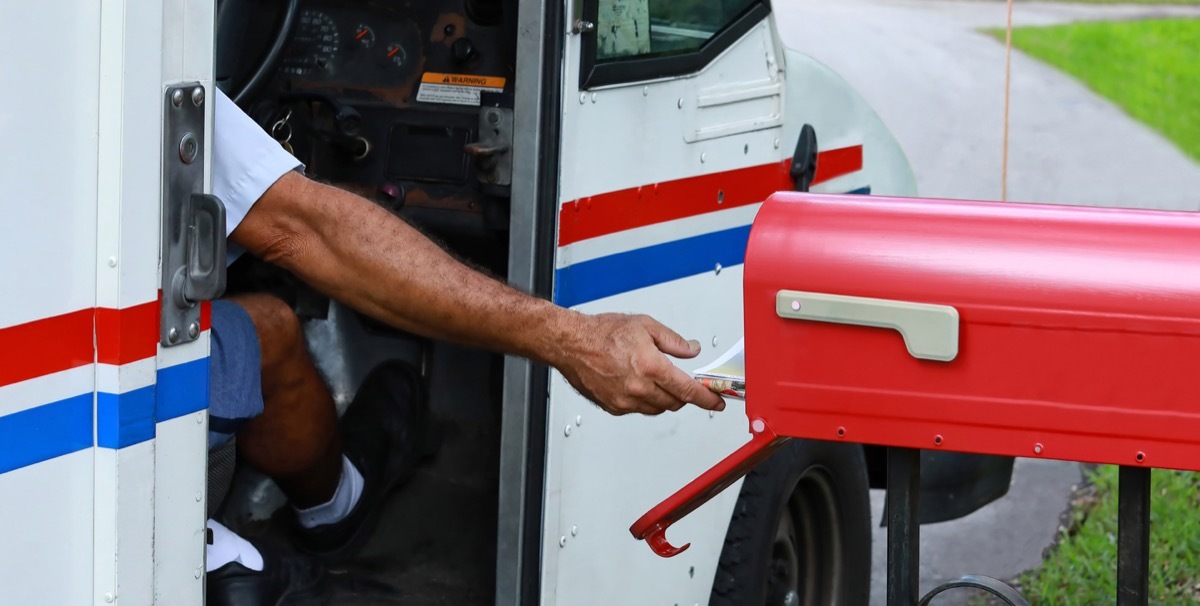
<point x="540" y="42"/>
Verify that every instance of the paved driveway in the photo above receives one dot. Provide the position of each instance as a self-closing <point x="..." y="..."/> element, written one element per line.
<point x="938" y="84"/>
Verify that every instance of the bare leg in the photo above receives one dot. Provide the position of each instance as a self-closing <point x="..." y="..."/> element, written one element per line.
<point x="295" y="440"/>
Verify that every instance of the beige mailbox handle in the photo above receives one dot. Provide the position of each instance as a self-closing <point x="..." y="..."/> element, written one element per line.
<point x="930" y="331"/>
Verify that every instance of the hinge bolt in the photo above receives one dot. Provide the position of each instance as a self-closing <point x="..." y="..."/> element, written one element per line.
<point x="198" y="96"/>
<point x="173" y="335"/>
<point x="193" y="330"/>
<point x="582" y="27"/>
<point x="177" y="98"/>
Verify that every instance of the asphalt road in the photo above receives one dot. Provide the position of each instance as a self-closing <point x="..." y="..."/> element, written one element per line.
<point x="939" y="85"/>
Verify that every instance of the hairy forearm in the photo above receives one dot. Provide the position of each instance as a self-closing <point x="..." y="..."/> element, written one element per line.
<point x="362" y="255"/>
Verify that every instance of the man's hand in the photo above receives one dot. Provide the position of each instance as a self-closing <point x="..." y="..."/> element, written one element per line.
<point x="617" y="361"/>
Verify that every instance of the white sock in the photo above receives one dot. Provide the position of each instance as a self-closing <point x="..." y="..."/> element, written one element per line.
<point x="228" y="547"/>
<point x="349" y="489"/>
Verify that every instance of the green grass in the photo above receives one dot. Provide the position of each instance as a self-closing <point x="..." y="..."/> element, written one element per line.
<point x="1082" y="568"/>
<point x="1151" y="69"/>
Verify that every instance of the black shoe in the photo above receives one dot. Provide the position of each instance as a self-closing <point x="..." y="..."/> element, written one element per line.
<point x="384" y="434"/>
<point x="284" y="579"/>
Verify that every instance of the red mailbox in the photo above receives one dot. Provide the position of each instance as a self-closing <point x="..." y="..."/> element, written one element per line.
<point x="997" y="328"/>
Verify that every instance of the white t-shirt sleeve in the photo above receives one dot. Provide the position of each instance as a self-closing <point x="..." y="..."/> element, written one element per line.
<point x="246" y="161"/>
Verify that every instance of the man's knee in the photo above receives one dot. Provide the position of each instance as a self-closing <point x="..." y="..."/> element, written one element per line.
<point x="280" y="336"/>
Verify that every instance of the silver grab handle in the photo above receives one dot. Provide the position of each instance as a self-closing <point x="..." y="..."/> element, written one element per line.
<point x="930" y="331"/>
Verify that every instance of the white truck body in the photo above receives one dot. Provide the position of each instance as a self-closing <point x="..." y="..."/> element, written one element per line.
<point x="103" y="429"/>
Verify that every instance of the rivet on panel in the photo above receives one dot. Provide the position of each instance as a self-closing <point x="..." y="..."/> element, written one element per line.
<point x="173" y="335"/>
<point x="199" y="496"/>
<point x="578" y="420"/>
<point x="776" y="143"/>
<point x="562" y="541"/>
<point x="720" y="196"/>
<point x="717" y="269"/>
<point x="177" y="98"/>
<point x="1037" y="449"/>
<point x="193" y="330"/>
<point x="645" y="91"/>
<point x="746" y="148"/>
<point x="758" y="426"/>
<point x="582" y="98"/>
<point x="691" y="572"/>
<point x="574" y="531"/>
<point x="1141" y="456"/>
<point x="200" y="418"/>
<point x="198" y="573"/>
<point x="109" y="597"/>
<point x="567" y="431"/>
<point x="841" y="432"/>
<point x="680" y="103"/>
<point x="593" y="97"/>
<point x="703" y="157"/>
<point x="937" y="440"/>
<point x="198" y="96"/>
<point x="795" y="306"/>
<point x="112" y="261"/>
<point x="714" y="341"/>
<point x="711" y="414"/>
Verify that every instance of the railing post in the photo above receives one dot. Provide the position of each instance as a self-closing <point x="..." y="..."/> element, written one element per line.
<point x="1133" y="536"/>
<point x="904" y="530"/>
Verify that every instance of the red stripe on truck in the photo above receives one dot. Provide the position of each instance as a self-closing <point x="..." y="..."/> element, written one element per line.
<point x="617" y="211"/>
<point x="46" y="346"/>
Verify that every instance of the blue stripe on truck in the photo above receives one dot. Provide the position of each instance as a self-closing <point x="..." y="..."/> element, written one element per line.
<point x="615" y="274"/>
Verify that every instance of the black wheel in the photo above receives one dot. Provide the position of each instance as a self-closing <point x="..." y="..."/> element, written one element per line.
<point x="801" y="531"/>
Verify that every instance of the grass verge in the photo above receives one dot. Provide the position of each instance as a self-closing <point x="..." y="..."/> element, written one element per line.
<point x="1082" y="567"/>
<point x="1149" y="68"/>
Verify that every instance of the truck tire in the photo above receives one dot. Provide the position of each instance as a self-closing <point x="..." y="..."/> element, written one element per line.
<point x="801" y="531"/>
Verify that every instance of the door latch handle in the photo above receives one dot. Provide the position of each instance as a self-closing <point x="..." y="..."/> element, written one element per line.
<point x="202" y="277"/>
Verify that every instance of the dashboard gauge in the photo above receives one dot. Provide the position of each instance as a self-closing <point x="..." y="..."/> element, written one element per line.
<point x="314" y="44"/>
<point x="364" y="37"/>
<point x="396" y="55"/>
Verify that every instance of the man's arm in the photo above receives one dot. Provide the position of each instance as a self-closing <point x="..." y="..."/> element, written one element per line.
<point x="360" y="254"/>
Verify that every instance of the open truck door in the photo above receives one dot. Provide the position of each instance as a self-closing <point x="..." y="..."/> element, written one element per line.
<point x="103" y="389"/>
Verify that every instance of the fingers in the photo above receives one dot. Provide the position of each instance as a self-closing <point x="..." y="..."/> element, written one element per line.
<point x="669" y="341"/>
<point x="683" y="387"/>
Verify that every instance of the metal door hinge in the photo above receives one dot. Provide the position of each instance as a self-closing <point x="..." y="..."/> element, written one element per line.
<point x="193" y="227"/>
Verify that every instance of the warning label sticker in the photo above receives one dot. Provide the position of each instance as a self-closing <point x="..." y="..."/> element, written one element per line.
<point x="456" y="89"/>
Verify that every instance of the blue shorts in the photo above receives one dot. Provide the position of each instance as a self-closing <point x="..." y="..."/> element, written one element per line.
<point x="234" y="373"/>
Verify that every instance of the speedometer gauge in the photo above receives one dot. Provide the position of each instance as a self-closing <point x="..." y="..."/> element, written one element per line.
<point x="314" y="45"/>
